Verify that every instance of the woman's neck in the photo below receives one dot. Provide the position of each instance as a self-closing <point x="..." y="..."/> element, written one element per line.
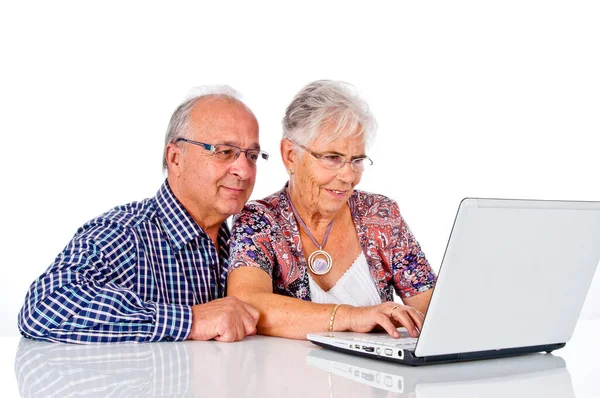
<point x="316" y="221"/>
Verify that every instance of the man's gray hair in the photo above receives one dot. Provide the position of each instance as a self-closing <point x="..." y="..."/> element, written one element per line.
<point x="178" y="126"/>
<point x="329" y="103"/>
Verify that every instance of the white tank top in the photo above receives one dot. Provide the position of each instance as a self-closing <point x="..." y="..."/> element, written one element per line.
<point x="356" y="287"/>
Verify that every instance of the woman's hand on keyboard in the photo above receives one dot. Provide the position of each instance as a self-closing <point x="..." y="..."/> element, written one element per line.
<point x="388" y="316"/>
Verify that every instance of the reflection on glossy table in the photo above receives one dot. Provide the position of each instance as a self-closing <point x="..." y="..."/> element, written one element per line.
<point x="272" y="367"/>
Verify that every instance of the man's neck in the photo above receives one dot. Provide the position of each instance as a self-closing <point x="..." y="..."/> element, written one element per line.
<point x="212" y="232"/>
<point x="210" y="223"/>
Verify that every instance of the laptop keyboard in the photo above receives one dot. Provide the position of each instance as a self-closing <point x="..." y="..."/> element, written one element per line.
<point x="402" y="342"/>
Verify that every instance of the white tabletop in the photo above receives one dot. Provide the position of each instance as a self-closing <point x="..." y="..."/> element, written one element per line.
<point x="272" y="367"/>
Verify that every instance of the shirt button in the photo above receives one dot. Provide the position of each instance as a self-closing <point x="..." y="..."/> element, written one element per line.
<point x="169" y="338"/>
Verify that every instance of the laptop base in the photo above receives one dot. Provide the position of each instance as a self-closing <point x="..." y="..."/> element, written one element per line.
<point x="410" y="359"/>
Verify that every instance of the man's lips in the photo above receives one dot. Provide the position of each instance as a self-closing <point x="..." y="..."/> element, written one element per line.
<point x="235" y="190"/>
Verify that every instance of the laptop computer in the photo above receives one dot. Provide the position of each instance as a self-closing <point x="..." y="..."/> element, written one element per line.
<point x="533" y="375"/>
<point x="513" y="280"/>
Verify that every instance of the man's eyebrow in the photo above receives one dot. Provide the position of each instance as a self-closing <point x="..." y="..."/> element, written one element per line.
<point x="232" y="143"/>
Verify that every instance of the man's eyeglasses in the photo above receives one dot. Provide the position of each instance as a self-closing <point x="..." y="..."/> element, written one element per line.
<point x="229" y="153"/>
<point x="335" y="161"/>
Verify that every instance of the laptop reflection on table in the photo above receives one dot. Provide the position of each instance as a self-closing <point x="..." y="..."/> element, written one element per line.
<point x="534" y="375"/>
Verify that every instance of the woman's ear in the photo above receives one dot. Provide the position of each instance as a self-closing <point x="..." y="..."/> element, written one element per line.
<point x="288" y="155"/>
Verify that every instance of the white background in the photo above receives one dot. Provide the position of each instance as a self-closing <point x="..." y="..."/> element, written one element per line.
<point x="473" y="98"/>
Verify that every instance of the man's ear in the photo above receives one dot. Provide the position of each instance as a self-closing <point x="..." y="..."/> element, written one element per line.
<point x="173" y="157"/>
<point x="288" y="155"/>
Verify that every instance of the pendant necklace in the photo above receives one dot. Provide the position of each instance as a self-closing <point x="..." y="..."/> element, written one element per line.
<point x="319" y="262"/>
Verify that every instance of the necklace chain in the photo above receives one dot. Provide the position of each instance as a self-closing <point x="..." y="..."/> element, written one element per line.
<point x="305" y="228"/>
<point x="319" y="261"/>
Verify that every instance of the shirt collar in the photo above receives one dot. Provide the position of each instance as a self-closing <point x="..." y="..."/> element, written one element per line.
<point x="179" y="226"/>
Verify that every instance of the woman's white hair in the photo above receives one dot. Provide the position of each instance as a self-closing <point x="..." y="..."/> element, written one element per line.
<point x="178" y="125"/>
<point x="334" y="104"/>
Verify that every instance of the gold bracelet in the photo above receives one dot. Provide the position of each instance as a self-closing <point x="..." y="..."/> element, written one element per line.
<point x="332" y="317"/>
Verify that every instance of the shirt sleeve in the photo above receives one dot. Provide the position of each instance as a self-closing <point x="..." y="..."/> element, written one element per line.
<point x="411" y="272"/>
<point x="88" y="295"/>
<point x="251" y="244"/>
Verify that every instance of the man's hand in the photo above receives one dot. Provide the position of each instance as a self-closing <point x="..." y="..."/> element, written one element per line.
<point x="225" y="319"/>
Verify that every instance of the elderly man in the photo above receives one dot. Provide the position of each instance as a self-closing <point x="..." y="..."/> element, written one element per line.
<point x="155" y="270"/>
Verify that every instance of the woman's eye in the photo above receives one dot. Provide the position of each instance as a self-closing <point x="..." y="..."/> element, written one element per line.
<point x="331" y="158"/>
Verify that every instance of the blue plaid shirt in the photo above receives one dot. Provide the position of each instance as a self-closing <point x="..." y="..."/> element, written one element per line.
<point x="132" y="274"/>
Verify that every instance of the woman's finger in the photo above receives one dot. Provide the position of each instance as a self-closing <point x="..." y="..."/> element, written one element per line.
<point x="385" y="322"/>
<point x="401" y="315"/>
<point x="416" y="316"/>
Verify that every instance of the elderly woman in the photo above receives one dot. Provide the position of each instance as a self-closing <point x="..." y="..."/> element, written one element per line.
<point x="319" y="255"/>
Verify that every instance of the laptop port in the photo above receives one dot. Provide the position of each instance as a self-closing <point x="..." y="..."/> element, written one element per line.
<point x="368" y="349"/>
<point x="368" y="376"/>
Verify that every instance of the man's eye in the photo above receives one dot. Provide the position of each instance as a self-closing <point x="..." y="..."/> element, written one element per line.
<point x="223" y="152"/>
<point x="253" y="156"/>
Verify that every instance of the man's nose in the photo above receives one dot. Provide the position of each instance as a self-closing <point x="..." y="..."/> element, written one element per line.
<point x="242" y="168"/>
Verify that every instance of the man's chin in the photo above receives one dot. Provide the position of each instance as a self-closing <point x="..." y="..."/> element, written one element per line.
<point x="231" y="207"/>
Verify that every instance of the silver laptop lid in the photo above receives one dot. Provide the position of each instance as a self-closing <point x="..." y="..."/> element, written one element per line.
<point x="515" y="274"/>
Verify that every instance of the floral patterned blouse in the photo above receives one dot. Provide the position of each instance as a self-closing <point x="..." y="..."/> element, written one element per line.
<point x="265" y="235"/>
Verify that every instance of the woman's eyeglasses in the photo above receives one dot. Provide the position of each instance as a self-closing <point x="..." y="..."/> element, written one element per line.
<point x="335" y="161"/>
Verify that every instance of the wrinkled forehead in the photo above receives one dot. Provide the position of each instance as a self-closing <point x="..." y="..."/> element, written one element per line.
<point x="335" y="133"/>
<point x="213" y="108"/>
<point x="345" y="144"/>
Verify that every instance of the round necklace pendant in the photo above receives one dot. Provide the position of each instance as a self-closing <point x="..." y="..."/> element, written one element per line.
<point x="320" y="262"/>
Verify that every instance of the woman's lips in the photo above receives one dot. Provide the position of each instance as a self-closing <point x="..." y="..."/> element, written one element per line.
<point x="336" y="193"/>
